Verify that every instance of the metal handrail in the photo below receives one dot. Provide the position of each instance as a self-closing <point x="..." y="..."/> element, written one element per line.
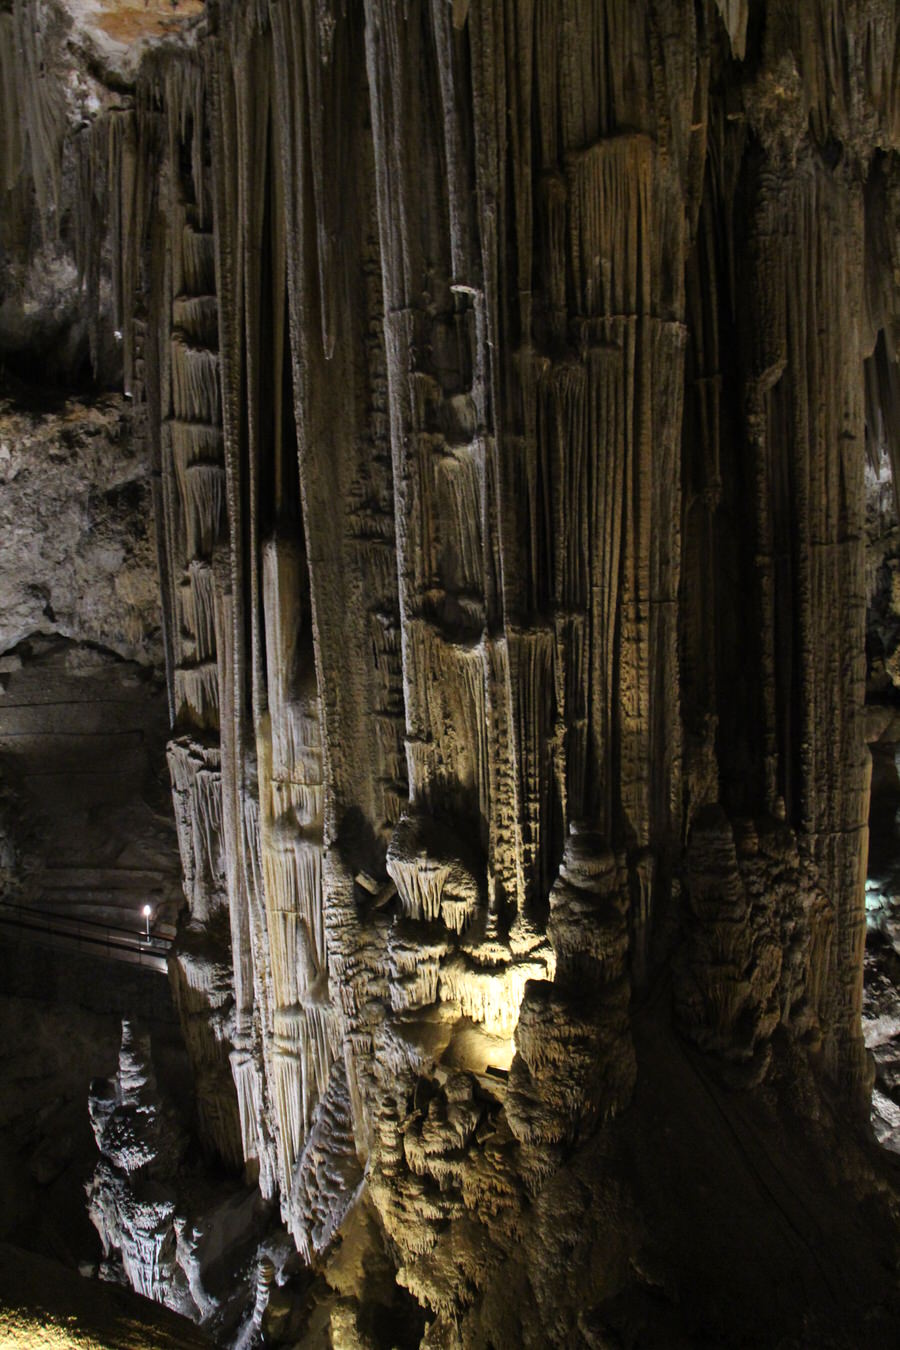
<point x="117" y="943"/>
<point x="42" y="916"/>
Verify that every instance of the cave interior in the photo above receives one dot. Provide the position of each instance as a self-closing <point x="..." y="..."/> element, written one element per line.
<point x="450" y="674"/>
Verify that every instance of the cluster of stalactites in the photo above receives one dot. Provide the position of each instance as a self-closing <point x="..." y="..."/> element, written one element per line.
<point x="402" y="683"/>
<point x="34" y="123"/>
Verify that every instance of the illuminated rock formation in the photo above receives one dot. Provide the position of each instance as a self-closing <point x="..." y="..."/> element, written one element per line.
<point x="175" y="1238"/>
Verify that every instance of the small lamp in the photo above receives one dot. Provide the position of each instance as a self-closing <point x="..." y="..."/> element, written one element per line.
<point x="147" y="911"/>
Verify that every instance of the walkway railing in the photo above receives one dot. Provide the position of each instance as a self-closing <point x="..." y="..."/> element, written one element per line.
<point x="116" y="944"/>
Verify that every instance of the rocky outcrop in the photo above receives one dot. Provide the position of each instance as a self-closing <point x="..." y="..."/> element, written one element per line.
<point x="76" y="515"/>
<point x="40" y="1300"/>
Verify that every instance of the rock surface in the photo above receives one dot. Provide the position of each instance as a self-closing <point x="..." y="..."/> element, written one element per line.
<point x="42" y="1303"/>
<point x="76" y="515"/>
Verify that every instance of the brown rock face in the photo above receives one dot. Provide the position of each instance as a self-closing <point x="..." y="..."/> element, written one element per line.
<point x="129" y="21"/>
<point x="507" y="370"/>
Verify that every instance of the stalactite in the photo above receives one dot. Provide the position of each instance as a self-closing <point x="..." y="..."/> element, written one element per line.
<point x="11" y="149"/>
<point x="43" y="121"/>
<point x="734" y="15"/>
<point x="197" y="694"/>
<point x="196" y="789"/>
<point x="198" y="268"/>
<point x="125" y="168"/>
<point x="195" y="392"/>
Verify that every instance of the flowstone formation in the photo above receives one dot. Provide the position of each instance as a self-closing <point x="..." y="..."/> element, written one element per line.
<point x="507" y="370"/>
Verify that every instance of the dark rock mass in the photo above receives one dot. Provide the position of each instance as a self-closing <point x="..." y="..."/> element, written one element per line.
<point x="453" y="444"/>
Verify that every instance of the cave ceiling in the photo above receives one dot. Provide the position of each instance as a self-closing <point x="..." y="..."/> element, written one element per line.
<point x="120" y="29"/>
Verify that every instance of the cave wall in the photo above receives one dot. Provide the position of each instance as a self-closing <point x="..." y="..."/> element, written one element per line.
<point x="85" y="820"/>
<point x="86" y="824"/>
